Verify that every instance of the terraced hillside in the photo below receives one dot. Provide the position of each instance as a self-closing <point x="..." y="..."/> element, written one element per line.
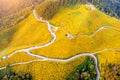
<point x="55" y="49"/>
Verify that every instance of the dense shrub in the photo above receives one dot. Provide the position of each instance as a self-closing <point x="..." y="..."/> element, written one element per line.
<point x="8" y="74"/>
<point x="112" y="9"/>
<point x="110" y="71"/>
<point x="85" y="71"/>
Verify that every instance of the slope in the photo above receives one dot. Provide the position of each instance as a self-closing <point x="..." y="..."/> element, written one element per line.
<point x="74" y="20"/>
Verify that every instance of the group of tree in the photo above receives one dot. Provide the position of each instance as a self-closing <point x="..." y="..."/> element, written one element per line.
<point x="112" y="9"/>
<point x="85" y="71"/>
<point x="8" y="74"/>
<point x="110" y="71"/>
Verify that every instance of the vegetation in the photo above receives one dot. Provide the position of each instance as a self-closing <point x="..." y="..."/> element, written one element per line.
<point x="109" y="64"/>
<point x="112" y="9"/>
<point x="5" y="37"/>
<point x="10" y="7"/>
<point x="15" y="11"/>
<point x="8" y="74"/>
<point x="85" y="71"/>
<point x="50" y="7"/>
<point x="111" y="71"/>
<point x="77" y="19"/>
<point x="15" y="18"/>
<point x="47" y="9"/>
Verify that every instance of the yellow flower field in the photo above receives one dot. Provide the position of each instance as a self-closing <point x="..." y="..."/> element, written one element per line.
<point x="76" y="20"/>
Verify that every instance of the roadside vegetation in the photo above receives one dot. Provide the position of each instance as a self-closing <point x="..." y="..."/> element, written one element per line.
<point x="8" y="74"/>
<point x="111" y="71"/>
<point x="109" y="64"/>
<point x="85" y="71"/>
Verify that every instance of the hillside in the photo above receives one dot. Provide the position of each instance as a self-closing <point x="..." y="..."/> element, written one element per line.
<point x="13" y="11"/>
<point x="46" y="48"/>
<point x="8" y="7"/>
<point x="112" y="9"/>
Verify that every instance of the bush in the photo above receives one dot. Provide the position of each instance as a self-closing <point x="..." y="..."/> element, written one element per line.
<point x="8" y="74"/>
<point x="85" y="71"/>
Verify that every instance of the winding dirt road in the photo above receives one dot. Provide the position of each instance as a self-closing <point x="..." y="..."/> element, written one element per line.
<point x="42" y="58"/>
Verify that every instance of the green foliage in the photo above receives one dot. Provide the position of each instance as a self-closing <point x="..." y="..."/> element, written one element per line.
<point x="85" y="71"/>
<point x="8" y="74"/>
<point x="4" y="72"/>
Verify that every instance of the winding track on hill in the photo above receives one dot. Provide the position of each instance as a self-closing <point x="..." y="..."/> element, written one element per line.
<point x="42" y="58"/>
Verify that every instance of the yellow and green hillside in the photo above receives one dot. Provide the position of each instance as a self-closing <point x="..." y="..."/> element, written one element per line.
<point x="77" y="20"/>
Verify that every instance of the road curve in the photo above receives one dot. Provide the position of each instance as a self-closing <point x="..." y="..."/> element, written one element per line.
<point x="98" y="30"/>
<point x="62" y="60"/>
<point x="27" y="50"/>
<point x="42" y="58"/>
